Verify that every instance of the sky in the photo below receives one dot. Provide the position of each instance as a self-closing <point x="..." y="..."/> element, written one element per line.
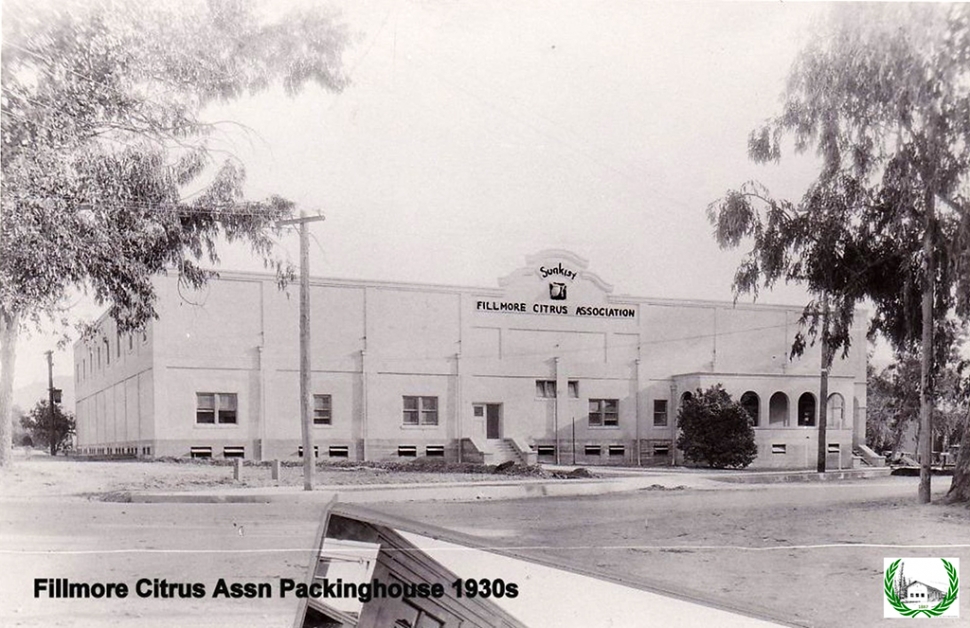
<point x="474" y="134"/>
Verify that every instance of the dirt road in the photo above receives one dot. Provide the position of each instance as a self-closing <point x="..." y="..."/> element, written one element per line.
<point x="809" y="553"/>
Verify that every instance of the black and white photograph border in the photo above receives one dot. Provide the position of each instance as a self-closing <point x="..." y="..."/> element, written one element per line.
<point x="590" y="313"/>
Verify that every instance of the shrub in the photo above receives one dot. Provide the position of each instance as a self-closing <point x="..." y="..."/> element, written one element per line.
<point x="715" y="430"/>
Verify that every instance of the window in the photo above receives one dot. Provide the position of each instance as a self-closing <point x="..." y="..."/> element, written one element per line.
<point x="617" y="450"/>
<point x="205" y="408"/>
<point x="211" y="408"/>
<point x="661" y="449"/>
<point x="339" y="451"/>
<point x="546" y="450"/>
<point x="435" y="451"/>
<point x="592" y="450"/>
<point x="834" y="448"/>
<point x="836" y="411"/>
<point x="546" y="388"/>
<point x="107" y="352"/>
<point x="420" y="410"/>
<point x="407" y="451"/>
<point x="604" y="413"/>
<point x="321" y="410"/>
<point x="118" y="343"/>
<point x="131" y="341"/>
<point x="779" y="448"/>
<point x="660" y="413"/>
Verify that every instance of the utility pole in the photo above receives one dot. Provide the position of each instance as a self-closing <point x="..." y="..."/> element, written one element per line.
<point x="306" y="408"/>
<point x="50" y="400"/>
<point x="823" y="392"/>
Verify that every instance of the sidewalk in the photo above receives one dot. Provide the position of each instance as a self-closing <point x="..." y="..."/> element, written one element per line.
<point x="617" y="480"/>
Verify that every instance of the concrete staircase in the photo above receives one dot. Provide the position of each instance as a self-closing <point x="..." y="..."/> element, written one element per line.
<point x="867" y="457"/>
<point x="499" y="451"/>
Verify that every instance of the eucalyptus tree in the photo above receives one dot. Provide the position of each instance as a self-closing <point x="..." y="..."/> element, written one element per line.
<point x="109" y="171"/>
<point x="882" y="94"/>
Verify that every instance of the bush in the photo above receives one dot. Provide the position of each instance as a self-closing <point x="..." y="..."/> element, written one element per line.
<point x="715" y="430"/>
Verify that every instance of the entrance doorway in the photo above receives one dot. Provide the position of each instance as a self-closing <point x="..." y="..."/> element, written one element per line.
<point x="492" y="412"/>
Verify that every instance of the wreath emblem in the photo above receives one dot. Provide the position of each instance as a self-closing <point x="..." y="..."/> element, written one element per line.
<point x="936" y="611"/>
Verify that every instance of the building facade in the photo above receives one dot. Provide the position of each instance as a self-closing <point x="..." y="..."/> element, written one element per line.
<point x="550" y="365"/>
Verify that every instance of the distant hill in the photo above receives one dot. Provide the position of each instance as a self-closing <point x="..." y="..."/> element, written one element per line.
<point x="27" y="396"/>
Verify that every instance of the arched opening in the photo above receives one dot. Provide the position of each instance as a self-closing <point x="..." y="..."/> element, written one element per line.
<point x="778" y="410"/>
<point x="806" y="410"/>
<point x="687" y="396"/>
<point x="835" y="416"/>
<point x="751" y="403"/>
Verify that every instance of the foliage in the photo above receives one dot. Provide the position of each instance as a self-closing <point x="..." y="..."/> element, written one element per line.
<point x="37" y="423"/>
<point x="882" y="93"/>
<point x="715" y="430"/>
<point x="893" y="402"/>
<point x="19" y="434"/>
<point x="109" y="170"/>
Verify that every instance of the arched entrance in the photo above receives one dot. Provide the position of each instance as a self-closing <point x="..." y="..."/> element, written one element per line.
<point x="806" y="410"/>
<point x="751" y="405"/>
<point x="778" y="410"/>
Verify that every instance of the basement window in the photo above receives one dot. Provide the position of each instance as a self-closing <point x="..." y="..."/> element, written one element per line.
<point x="779" y="448"/>
<point x="593" y="450"/>
<point x="233" y="452"/>
<point x="617" y="450"/>
<point x="201" y="452"/>
<point x="339" y="451"/>
<point x="661" y="450"/>
<point x="407" y="451"/>
<point x="834" y="448"/>
<point x="434" y="451"/>
<point x="316" y="451"/>
<point x="546" y="450"/>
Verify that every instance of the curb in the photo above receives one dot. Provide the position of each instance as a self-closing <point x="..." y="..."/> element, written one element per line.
<point x="479" y="491"/>
<point x="806" y="476"/>
<point x="407" y="493"/>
